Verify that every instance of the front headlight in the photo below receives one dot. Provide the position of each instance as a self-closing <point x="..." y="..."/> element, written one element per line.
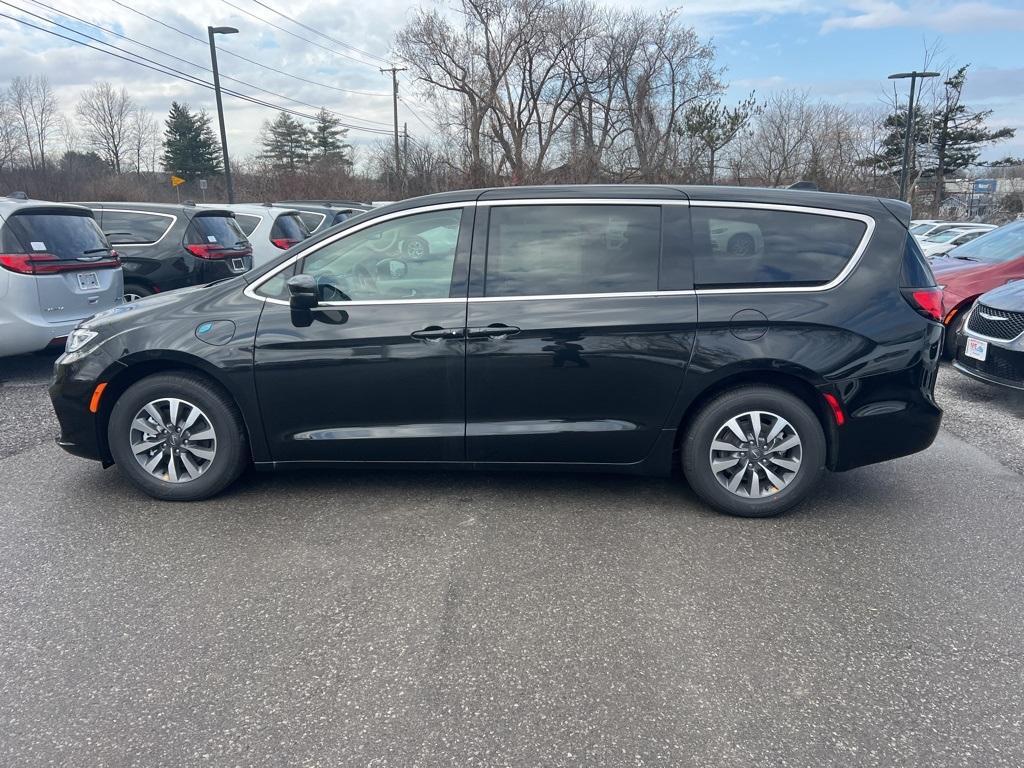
<point x="78" y="338"/>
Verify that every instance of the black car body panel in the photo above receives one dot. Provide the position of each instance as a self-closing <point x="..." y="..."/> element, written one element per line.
<point x="593" y="381"/>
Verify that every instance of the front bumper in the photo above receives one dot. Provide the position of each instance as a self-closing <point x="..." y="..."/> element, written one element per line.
<point x="71" y="389"/>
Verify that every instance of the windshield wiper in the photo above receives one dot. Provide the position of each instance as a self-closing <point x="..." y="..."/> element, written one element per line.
<point x="96" y="250"/>
<point x="965" y="258"/>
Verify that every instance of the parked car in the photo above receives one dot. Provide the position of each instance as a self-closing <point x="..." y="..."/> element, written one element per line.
<point x="165" y="246"/>
<point x="931" y="230"/>
<point x="353" y="204"/>
<point x="583" y="327"/>
<point x="319" y="217"/>
<point x="269" y="228"/>
<point x="976" y="268"/>
<point x="946" y="241"/>
<point x="991" y="347"/>
<point x="56" y="269"/>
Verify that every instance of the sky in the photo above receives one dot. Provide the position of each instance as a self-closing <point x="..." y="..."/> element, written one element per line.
<point x="837" y="50"/>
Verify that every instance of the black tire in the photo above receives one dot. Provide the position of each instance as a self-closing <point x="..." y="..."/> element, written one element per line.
<point x="741" y="245"/>
<point x="954" y="329"/>
<point x="134" y="292"/>
<point x="696" y="450"/>
<point x="232" y="448"/>
<point x="415" y="248"/>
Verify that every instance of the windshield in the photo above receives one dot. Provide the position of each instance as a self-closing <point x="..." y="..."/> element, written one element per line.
<point x="920" y="229"/>
<point x="216" y="230"/>
<point x="945" y="237"/>
<point x="1003" y="244"/>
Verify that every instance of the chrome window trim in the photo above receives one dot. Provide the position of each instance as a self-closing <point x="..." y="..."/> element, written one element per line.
<point x="250" y="290"/>
<point x="851" y="264"/>
<point x="171" y="216"/>
<point x="650" y="201"/>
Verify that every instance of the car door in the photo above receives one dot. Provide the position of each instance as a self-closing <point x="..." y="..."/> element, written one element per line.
<point x="576" y="345"/>
<point x="378" y="373"/>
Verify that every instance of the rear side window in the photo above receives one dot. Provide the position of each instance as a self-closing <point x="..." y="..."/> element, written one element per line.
<point x="915" y="272"/>
<point x="288" y="226"/>
<point x="311" y="220"/>
<point x="65" y="235"/>
<point x="750" y="247"/>
<point x="134" y="227"/>
<point x="215" y="230"/>
<point x="247" y="223"/>
<point x="536" y="250"/>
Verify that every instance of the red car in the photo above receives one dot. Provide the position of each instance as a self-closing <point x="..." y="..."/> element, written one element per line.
<point x="994" y="259"/>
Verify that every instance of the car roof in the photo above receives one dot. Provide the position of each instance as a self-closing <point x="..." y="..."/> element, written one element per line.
<point x="254" y="209"/>
<point x="327" y="210"/>
<point x="172" y="208"/>
<point x="325" y="203"/>
<point x="9" y="205"/>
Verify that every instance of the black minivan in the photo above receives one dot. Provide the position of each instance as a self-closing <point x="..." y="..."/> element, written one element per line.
<point x="166" y="246"/>
<point x="607" y="328"/>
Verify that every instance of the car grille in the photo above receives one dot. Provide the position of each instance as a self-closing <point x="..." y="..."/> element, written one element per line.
<point x="1009" y="327"/>
<point x="999" y="362"/>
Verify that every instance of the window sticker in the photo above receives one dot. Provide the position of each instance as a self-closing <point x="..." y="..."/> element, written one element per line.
<point x="38" y="246"/>
<point x="212" y="238"/>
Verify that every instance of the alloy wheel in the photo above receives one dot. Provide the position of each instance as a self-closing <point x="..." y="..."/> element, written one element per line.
<point x="756" y="454"/>
<point x="173" y="440"/>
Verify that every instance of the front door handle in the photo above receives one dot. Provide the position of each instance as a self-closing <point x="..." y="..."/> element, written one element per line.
<point x="437" y="333"/>
<point x="495" y="331"/>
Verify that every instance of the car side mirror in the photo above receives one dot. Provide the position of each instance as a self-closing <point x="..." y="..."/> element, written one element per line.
<point x="392" y="269"/>
<point x="302" y="292"/>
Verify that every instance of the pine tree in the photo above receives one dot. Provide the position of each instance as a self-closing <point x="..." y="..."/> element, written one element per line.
<point x="191" y="149"/>
<point x="329" y="138"/>
<point x="286" y="142"/>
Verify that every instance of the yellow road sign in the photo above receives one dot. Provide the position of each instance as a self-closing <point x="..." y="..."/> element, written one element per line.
<point x="176" y="181"/>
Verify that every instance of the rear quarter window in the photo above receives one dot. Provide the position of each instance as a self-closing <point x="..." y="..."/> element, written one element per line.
<point x="312" y="220"/>
<point x="134" y="228"/>
<point x="289" y="226"/>
<point x="66" y="235"/>
<point x="752" y="247"/>
<point x="247" y="223"/>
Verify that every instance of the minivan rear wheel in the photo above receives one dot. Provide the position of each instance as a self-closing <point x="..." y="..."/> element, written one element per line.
<point x="755" y="451"/>
<point x="178" y="437"/>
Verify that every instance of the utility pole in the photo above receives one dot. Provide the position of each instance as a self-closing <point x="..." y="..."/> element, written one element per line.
<point x="220" y="107"/>
<point x="405" y="158"/>
<point x="394" y="82"/>
<point x="910" y="123"/>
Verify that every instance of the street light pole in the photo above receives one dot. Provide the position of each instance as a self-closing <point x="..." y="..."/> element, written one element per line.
<point x="220" y="106"/>
<point x="909" y="127"/>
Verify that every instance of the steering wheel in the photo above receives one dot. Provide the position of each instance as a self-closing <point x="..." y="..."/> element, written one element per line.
<point x="363" y="280"/>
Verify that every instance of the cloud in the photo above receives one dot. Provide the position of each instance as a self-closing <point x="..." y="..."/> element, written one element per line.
<point x="955" y="17"/>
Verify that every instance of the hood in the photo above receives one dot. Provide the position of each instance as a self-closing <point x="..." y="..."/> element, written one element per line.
<point x="140" y="311"/>
<point x="1009" y="297"/>
<point x="949" y="264"/>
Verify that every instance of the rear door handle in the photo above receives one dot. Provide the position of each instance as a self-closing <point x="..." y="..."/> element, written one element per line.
<point x="494" y="331"/>
<point x="437" y="333"/>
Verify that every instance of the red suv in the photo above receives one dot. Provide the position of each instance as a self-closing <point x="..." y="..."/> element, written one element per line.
<point x="975" y="268"/>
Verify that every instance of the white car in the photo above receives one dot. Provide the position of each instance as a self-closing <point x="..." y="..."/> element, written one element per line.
<point x="930" y="230"/>
<point x="270" y="229"/>
<point x="947" y="240"/>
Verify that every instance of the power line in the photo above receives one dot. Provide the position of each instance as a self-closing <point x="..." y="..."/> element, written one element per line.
<point x="339" y="115"/>
<point x="239" y="56"/>
<point x="417" y="116"/>
<point x="165" y="69"/>
<point x="298" y="37"/>
<point x="335" y="40"/>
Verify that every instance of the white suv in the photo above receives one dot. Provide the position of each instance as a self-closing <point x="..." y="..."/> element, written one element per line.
<point x="270" y="229"/>
<point x="56" y="269"/>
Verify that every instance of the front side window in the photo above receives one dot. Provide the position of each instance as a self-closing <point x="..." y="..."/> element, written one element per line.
<point x="411" y="257"/>
<point x="752" y="247"/>
<point x="135" y="227"/>
<point x="537" y="250"/>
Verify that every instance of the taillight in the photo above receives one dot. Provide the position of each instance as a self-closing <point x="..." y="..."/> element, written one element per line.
<point x="284" y="243"/>
<point x="49" y="264"/>
<point x="206" y="251"/>
<point x="927" y="301"/>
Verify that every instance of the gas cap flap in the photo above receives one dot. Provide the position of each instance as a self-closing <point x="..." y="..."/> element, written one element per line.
<point x="215" y="332"/>
<point x="749" y="324"/>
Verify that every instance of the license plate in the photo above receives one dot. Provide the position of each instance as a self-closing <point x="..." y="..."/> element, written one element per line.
<point x="238" y="265"/>
<point x="976" y="348"/>
<point x="88" y="281"/>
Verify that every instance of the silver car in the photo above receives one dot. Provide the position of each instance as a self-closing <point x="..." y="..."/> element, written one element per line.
<point x="56" y="269"/>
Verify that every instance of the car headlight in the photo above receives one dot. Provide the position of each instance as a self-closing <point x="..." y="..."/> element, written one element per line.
<point x="78" y="338"/>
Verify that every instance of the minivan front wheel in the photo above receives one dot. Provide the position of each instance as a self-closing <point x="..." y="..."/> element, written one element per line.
<point x="754" y="451"/>
<point x="177" y="437"/>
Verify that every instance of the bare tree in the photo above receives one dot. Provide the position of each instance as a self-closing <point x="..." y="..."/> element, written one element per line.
<point x="144" y="140"/>
<point x="713" y="126"/>
<point x="106" y="115"/>
<point x="776" y="150"/>
<point x="35" y="109"/>
<point x="11" y="138"/>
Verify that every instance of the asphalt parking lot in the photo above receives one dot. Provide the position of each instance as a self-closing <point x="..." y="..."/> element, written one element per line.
<point x="399" y="619"/>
